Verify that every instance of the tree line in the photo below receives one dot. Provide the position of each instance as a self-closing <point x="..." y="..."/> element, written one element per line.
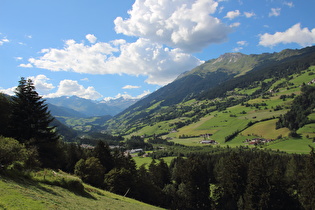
<point x="206" y="178"/>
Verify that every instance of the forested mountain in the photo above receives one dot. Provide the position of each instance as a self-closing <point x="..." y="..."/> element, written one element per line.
<point x="215" y="78"/>
<point x="224" y="146"/>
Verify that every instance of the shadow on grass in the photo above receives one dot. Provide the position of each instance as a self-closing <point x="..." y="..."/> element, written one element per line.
<point x="25" y="181"/>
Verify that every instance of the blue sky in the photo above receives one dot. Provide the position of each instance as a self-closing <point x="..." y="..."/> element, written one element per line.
<point x="100" y="49"/>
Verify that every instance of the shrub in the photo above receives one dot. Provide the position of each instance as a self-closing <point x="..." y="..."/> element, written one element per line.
<point x="10" y="151"/>
<point x="90" y="171"/>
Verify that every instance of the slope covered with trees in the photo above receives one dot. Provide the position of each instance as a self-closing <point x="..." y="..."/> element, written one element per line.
<point x="214" y="80"/>
<point x="234" y="174"/>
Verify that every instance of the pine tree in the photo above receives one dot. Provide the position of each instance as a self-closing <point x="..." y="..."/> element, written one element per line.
<point x="30" y="122"/>
<point x="257" y="194"/>
<point x="102" y="152"/>
<point x="232" y="177"/>
<point x="307" y="184"/>
<point x="159" y="173"/>
<point x="4" y="114"/>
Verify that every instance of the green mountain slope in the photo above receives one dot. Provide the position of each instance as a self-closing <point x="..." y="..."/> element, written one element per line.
<point x="231" y="79"/>
<point x="24" y="193"/>
<point x="233" y="125"/>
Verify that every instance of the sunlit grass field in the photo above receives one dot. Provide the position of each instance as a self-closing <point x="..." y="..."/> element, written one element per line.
<point x="266" y="129"/>
<point x="24" y="193"/>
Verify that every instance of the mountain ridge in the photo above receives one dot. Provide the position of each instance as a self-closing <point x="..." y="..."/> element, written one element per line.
<point x="212" y="79"/>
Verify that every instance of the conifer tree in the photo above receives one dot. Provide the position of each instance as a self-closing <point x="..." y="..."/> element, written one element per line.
<point x="102" y="152"/>
<point x="4" y="114"/>
<point x="30" y="122"/>
<point x="307" y="184"/>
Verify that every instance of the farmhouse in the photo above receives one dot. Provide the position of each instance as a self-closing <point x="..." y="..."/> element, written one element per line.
<point x="208" y="142"/>
<point x="135" y="151"/>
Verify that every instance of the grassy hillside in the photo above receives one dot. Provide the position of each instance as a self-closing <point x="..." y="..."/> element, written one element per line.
<point x="255" y="118"/>
<point x="232" y="76"/>
<point x="26" y="193"/>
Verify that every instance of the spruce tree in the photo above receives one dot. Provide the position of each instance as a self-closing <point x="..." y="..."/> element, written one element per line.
<point x="4" y="114"/>
<point x="30" y="122"/>
<point x="307" y="184"/>
<point x="102" y="152"/>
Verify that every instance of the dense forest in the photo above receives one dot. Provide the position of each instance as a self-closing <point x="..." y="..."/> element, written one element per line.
<point x="207" y="178"/>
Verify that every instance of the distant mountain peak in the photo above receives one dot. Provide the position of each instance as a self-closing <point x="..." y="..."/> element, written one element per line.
<point x="229" y="57"/>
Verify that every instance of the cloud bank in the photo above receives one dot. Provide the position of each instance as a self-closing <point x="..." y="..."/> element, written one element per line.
<point x="72" y="87"/>
<point x="304" y="37"/>
<point x="167" y="32"/>
<point x="162" y="65"/>
<point x="127" y="96"/>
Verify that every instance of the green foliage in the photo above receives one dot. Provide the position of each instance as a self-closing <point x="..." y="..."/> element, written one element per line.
<point x="102" y="152"/>
<point x="159" y="173"/>
<point x="308" y="182"/>
<point x="30" y="123"/>
<point x="61" y="179"/>
<point x="90" y="171"/>
<point x="302" y="106"/>
<point x="119" y="181"/>
<point x="4" y="114"/>
<point x="10" y="151"/>
<point x="136" y="142"/>
<point x="26" y="193"/>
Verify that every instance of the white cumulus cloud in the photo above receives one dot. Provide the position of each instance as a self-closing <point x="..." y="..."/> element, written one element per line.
<point x="8" y="91"/>
<point x="185" y="24"/>
<point x="160" y="64"/>
<point x="41" y="83"/>
<point x="72" y="87"/>
<point x="249" y="14"/>
<point x="232" y="14"/>
<point x="91" y="38"/>
<point x="242" y="43"/>
<point x="28" y="65"/>
<point x="131" y="87"/>
<point x="295" y="34"/>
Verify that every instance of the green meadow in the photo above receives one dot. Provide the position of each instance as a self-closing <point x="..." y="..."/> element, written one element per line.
<point x="26" y="193"/>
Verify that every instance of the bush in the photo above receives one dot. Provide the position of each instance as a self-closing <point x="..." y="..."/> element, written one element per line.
<point x="62" y="180"/>
<point x="90" y="171"/>
<point x="10" y="151"/>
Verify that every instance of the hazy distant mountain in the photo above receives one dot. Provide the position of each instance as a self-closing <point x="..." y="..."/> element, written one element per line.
<point x="122" y="103"/>
<point x="64" y="111"/>
<point x="74" y="106"/>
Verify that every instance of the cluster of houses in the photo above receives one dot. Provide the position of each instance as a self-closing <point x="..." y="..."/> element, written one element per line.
<point x="257" y="141"/>
<point x="207" y="139"/>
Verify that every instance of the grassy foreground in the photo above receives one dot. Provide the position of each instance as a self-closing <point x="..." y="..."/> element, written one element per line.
<point x="25" y="193"/>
